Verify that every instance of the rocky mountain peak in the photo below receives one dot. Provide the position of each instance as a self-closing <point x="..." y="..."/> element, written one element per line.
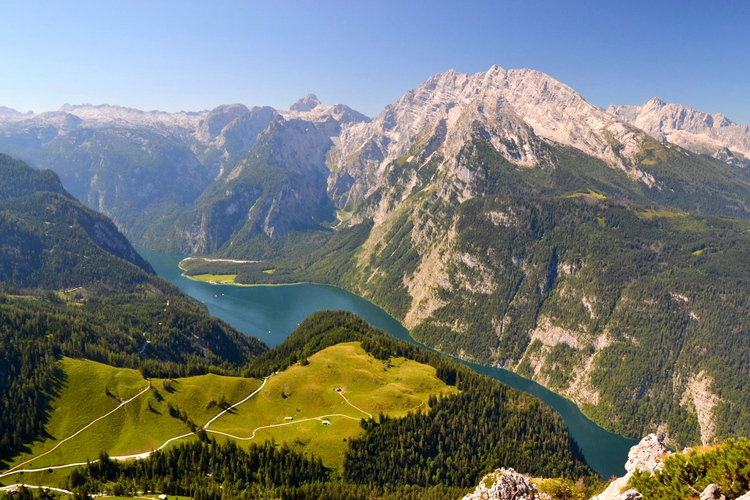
<point x="655" y="103"/>
<point x="697" y="131"/>
<point x="307" y="103"/>
<point x="515" y="110"/>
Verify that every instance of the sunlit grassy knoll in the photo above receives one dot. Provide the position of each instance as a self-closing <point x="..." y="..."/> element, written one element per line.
<point x="225" y="279"/>
<point x="54" y="478"/>
<point x="650" y="213"/>
<point x="302" y="392"/>
<point x="140" y="426"/>
<point x="201" y="396"/>
<point x="590" y="194"/>
<point x="91" y="390"/>
<point x="82" y="399"/>
<point x="652" y="153"/>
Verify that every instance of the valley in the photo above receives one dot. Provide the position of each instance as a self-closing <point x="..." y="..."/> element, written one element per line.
<point x="500" y="217"/>
<point x="503" y="218"/>
<point x="272" y="312"/>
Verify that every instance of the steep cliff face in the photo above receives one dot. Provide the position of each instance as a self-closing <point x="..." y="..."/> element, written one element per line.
<point x="277" y="187"/>
<point x="698" y="131"/>
<point x="126" y="174"/>
<point x="227" y="133"/>
<point x="608" y="304"/>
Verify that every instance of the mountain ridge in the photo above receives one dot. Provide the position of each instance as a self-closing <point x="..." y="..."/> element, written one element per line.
<point x="704" y="133"/>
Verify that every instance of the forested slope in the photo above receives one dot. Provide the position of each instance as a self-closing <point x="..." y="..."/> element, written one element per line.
<point x="72" y="285"/>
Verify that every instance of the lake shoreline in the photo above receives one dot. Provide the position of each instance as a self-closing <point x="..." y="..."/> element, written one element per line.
<point x="272" y="312"/>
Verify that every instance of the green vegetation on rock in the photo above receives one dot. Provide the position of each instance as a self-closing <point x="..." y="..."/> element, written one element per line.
<point x="685" y="475"/>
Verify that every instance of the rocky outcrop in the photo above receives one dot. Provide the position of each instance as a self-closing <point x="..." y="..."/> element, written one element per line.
<point x="647" y="455"/>
<point x="505" y="484"/>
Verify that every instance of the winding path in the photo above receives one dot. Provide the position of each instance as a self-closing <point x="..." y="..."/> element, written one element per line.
<point x="12" y="469"/>
<point x="287" y="423"/>
<point x="205" y="427"/>
<point x="282" y="424"/>
<point x="12" y="486"/>
<point x="350" y="404"/>
<point x="16" y="470"/>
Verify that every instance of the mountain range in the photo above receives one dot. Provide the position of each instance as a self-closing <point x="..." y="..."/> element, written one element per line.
<point x="100" y="356"/>
<point x="500" y="215"/>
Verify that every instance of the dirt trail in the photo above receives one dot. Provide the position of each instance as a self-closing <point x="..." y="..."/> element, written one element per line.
<point x="350" y="404"/>
<point x="76" y="433"/>
<point x="15" y="470"/>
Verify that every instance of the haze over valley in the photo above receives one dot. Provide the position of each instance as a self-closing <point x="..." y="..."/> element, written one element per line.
<point x="546" y="208"/>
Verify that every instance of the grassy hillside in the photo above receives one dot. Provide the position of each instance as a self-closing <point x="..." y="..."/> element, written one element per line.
<point x="90" y="390"/>
<point x="303" y="392"/>
<point x="339" y="385"/>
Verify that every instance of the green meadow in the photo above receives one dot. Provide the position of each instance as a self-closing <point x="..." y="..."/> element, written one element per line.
<point x="291" y="408"/>
<point x="302" y="393"/>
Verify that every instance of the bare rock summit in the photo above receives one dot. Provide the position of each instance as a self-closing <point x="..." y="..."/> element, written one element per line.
<point x="505" y="484"/>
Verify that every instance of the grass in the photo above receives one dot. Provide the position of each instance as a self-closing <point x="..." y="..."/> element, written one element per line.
<point x="590" y="194"/>
<point x="225" y="279"/>
<point x="92" y="389"/>
<point x="140" y="426"/>
<point x="670" y="214"/>
<point x="302" y="392"/>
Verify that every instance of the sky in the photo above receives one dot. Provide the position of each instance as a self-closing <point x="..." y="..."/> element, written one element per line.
<point x="193" y="55"/>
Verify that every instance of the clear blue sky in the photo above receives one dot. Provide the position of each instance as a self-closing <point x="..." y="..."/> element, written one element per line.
<point x="191" y="55"/>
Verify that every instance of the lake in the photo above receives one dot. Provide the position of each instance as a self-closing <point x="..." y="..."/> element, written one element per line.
<point x="271" y="313"/>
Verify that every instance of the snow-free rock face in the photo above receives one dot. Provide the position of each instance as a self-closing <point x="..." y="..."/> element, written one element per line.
<point x="698" y="131"/>
<point x="211" y="126"/>
<point x="505" y="484"/>
<point x="648" y="455"/>
<point x="514" y="108"/>
<point x="312" y="110"/>
<point x="712" y="492"/>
